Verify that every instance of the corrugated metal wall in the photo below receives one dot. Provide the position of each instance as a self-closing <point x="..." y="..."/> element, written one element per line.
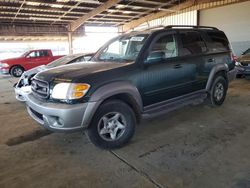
<point x="234" y="21"/>
<point x="185" y="18"/>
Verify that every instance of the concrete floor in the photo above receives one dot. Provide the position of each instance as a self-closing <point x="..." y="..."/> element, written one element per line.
<point x="196" y="146"/>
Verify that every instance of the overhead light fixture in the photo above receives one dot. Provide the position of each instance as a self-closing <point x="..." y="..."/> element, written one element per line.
<point x="33" y="3"/>
<point x="136" y="7"/>
<point x="56" y="6"/>
<point x="89" y="1"/>
<point x="120" y="6"/>
<point x="166" y="10"/>
<point x="126" y="12"/>
<point x="111" y="10"/>
<point x="44" y="19"/>
<point x="62" y="1"/>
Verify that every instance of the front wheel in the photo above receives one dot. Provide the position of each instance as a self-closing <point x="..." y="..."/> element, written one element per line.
<point x="113" y="125"/>
<point x="218" y="91"/>
<point x="16" y="71"/>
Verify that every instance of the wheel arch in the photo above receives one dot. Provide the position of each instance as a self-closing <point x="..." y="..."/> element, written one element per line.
<point x="219" y="69"/>
<point x="16" y="65"/>
<point x="123" y="91"/>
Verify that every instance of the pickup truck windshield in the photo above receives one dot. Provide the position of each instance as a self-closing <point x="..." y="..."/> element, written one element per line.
<point x="25" y="54"/>
<point x="124" y="49"/>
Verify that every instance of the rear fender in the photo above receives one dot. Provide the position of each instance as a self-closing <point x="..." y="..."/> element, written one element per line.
<point x="217" y="68"/>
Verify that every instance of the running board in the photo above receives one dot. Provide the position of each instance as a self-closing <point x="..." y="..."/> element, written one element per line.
<point x="173" y="104"/>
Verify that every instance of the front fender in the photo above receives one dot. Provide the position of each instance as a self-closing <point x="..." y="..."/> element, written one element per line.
<point x="109" y="90"/>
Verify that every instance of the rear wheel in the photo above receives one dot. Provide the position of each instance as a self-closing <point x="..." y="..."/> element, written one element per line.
<point x="218" y="91"/>
<point x="16" y="71"/>
<point x="113" y="125"/>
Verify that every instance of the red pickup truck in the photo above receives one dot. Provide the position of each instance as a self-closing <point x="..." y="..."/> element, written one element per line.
<point x="29" y="60"/>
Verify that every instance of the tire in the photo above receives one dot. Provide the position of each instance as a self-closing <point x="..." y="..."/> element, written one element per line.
<point x="218" y="91"/>
<point x="112" y="126"/>
<point x="16" y="71"/>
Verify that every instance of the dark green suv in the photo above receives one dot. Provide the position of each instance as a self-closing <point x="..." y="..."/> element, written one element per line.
<point x="138" y="74"/>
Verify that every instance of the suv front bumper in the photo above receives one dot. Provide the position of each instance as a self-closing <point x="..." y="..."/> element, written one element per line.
<point x="22" y="92"/>
<point x="60" y="117"/>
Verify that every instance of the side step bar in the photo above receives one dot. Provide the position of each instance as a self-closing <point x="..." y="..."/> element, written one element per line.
<point x="173" y="104"/>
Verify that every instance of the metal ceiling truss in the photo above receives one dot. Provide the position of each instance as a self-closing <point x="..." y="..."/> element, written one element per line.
<point x="73" y="14"/>
<point x="69" y="12"/>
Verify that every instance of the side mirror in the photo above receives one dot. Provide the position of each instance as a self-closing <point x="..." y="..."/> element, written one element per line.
<point x="155" y="57"/>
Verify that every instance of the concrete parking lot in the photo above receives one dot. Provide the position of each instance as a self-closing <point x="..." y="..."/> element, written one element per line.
<point x="197" y="146"/>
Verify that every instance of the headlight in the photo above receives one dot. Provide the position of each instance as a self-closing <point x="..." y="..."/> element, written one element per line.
<point x="69" y="90"/>
<point x="4" y="65"/>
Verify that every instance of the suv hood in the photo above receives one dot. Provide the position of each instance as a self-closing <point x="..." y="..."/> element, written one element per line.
<point x="77" y="70"/>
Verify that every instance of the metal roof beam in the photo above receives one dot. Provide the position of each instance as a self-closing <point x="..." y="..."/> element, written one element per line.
<point x="176" y="8"/>
<point x="98" y="10"/>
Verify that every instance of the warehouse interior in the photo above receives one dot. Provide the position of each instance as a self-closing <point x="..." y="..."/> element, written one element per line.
<point x="196" y="146"/>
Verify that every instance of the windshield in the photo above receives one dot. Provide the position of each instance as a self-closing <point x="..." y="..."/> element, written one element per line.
<point x="62" y="61"/>
<point x="25" y="54"/>
<point x="124" y="49"/>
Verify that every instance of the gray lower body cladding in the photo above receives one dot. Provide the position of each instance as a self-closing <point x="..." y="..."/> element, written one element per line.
<point x="231" y="75"/>
<point x="60" y="117"/>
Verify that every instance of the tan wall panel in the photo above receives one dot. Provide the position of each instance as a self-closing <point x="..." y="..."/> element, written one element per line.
<point x="233" y="20"/>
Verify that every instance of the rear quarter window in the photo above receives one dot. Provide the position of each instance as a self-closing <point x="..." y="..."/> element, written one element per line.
<point x="219" y="41"/>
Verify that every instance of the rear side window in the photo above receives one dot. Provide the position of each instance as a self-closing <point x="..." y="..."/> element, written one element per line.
<point x="44" y="53"/>
<point x="219" y="41"/>
<point x="192" y="43"/>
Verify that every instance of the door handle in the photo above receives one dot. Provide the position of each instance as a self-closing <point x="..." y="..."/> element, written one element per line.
<point x="210" y="60"/>
<point x="177" y="66"/>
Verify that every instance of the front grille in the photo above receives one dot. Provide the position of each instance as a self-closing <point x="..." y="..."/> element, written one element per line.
<point x="40" y="88"/>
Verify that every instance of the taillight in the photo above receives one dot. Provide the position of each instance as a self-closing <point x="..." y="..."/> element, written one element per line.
<point x="233" y="57"/>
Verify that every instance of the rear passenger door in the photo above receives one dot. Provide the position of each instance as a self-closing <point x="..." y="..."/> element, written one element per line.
<point x="193" y="48"/>
<point x="43" y="57"/>
<point x="167" y="75"/>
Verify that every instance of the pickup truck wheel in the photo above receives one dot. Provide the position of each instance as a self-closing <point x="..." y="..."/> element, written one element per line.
<point x="218" y="91"/>
<point x="113" y="125"/>
<point x="16" y="71"/>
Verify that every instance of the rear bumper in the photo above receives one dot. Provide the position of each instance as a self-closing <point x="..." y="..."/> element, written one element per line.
<point x="231" y="75"/>
<point x="243" y="70"/>
<point x="59" y="117"/>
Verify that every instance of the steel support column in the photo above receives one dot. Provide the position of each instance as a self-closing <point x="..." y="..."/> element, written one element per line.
<point x="70" y="43"/>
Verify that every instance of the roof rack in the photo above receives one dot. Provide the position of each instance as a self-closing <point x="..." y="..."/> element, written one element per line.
<point x="151" y="28"/>
<point x="190" y="26"/>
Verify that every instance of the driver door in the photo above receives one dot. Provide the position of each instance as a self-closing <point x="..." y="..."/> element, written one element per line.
<point x="37" y="58"/>
<point x="166" y="75"/>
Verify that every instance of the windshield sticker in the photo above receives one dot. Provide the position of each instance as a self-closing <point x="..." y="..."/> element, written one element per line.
<point x="138" y="39"/>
